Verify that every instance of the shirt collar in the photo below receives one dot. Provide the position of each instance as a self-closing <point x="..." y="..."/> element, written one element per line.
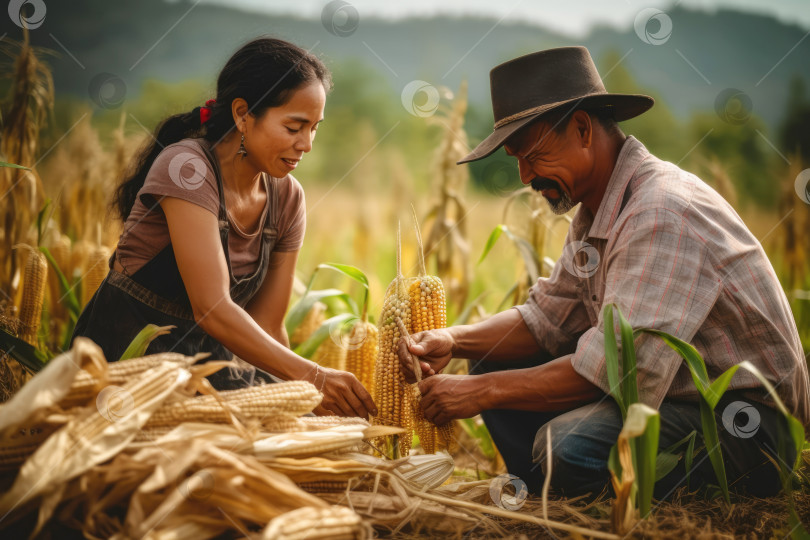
<point x="630" y="157"/>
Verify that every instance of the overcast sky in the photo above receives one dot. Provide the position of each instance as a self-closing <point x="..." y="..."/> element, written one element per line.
<point x="574" y="17"/>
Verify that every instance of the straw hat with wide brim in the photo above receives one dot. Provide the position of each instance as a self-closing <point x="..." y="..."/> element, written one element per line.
<point x="532" y="85"/>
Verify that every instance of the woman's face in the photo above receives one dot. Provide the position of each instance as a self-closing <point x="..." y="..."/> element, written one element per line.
<point x="278" y="139"/>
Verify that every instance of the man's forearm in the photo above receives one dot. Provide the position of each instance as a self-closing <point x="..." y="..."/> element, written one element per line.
<point x="503" y="336"/>
<point x="554" y="386"/>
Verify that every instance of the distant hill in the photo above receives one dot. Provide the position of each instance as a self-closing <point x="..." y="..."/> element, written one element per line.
<point x="142" y="40"/>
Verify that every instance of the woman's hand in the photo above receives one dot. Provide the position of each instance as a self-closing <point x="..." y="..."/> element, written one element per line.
<point x="434" y="348"/>
<point x="343" y="395"/>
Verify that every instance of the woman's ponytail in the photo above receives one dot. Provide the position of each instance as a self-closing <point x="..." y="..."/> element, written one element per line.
<point x="171" y="130"/>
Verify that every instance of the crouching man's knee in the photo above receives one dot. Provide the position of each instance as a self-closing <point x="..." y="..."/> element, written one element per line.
<point x="580" y="442"/>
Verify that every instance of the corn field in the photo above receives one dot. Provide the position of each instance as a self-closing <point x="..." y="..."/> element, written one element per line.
<point x="145" y="447"/>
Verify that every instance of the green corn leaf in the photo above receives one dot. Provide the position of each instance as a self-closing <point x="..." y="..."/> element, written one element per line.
<point x="42" y="220"/>
<point x="708" y="401"/>
<point x="140" y="343"/>
<point x="629" y="378"/>
<point x="24" y="353"/>
<point x="349" y="271"/>
<point x="13" y="166"/>
<point x="493" y="237"/>
<point x="299" y="311"/>
<point x="688" y="458"/>
<point x="711" y="439"/>
<point x="355" y="274"/>
<point x="612" y="359"/>
<point x="665" y="462"/>
<point x="337" y="325"/>
<point x="692" y="357"/>
<point x="69" y="297"/>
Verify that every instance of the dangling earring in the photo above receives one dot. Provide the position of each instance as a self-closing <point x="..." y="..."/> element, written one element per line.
<point x="242" y="152"/>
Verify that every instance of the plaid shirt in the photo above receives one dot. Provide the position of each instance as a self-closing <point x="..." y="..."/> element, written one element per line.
<point x="675" y="256"/>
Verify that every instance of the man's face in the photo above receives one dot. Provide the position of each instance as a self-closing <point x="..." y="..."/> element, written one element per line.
<point x="550" y="162"/>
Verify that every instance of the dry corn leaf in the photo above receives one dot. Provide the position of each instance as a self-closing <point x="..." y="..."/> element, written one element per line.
<point x="95" y="435"/>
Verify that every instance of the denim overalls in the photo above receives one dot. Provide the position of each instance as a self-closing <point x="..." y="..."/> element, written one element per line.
<point x="155" y="294"/>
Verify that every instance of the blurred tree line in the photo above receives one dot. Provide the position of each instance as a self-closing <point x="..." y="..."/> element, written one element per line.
<point x="364" y="112"/>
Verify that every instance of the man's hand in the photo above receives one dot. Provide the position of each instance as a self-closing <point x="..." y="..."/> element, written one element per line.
<point x="434" y="348"/>
<point x="447" y="397"/>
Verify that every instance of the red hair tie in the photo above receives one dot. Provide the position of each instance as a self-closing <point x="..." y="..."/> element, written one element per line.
<point x="205" y="112"/>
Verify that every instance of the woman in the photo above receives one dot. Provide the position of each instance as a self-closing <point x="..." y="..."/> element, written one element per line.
<point x="213" y="222"/>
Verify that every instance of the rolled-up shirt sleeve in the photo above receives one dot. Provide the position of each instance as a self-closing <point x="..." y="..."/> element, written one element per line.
<point x="660" y="274"/>
<point x="554" y="312"/>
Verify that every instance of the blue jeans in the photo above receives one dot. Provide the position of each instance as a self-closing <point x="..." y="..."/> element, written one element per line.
<point x="581" y="440"/>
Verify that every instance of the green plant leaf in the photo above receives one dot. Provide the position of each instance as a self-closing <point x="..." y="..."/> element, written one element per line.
<point x="13" y="166"/>
<point x="349" y="271"/>
<point x="629" y="383"/>
<point x="355" y="274"/>
<point x="299" y="311"/>
<point x="612" y="359"/>
<point x="23" y="352"/>
<point x="140" y="343"/>
<point x="692" y="357"/>
<point x="493" y="237"/>
<point x="41" y="220"/>
<point x="665" y="462"/>
<point x="338" y="324"/>
<point x="69" y="299"/>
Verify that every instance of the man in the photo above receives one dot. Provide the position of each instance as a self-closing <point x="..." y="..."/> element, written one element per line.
<point x="661" y="245"/>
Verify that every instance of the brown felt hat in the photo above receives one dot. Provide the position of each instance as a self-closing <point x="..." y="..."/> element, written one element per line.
<point x="529" y="86"/>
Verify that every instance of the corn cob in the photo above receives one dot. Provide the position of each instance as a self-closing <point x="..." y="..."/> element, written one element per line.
<point x="323" y="422"/>
<point x="290" y="399"/>
<point x="330" y="353"/>
<point x="362" y="355"/>
<point x="428" y="312"/>
<point x="324" y="486"/>
<point x="36" y="272"/>
<point x="97" y="268"/>
<point x="86" y="385"/>
<point x="312" y="523"/>
<point x="313" y="320"/>
<point x="389" y="382"/>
